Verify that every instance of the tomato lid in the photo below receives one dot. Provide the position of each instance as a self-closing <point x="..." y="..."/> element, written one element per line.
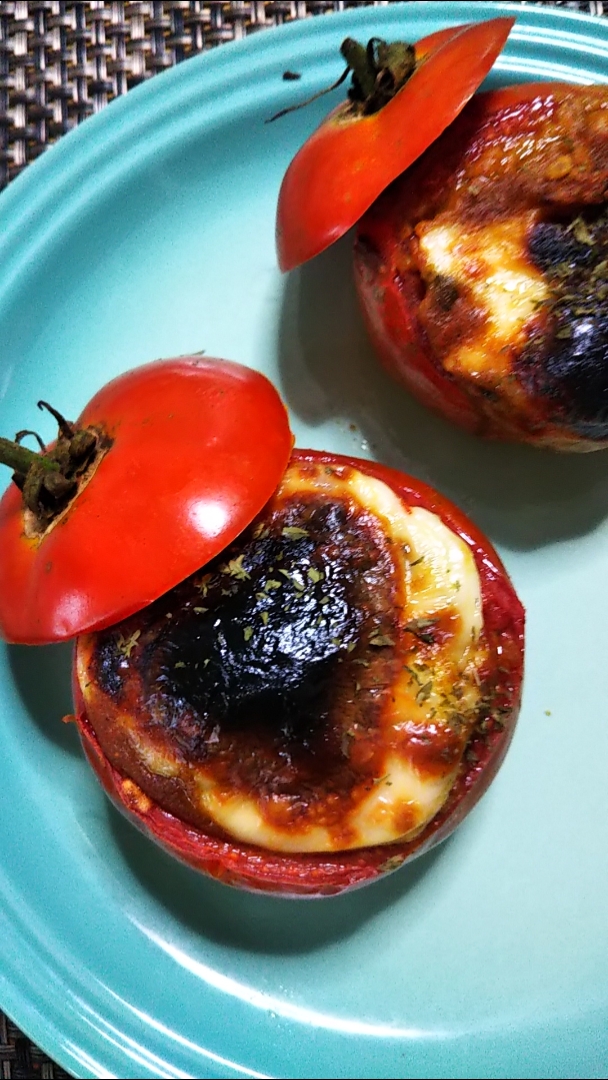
<point x="196" y="448"/>
<point x="353" y="156"/>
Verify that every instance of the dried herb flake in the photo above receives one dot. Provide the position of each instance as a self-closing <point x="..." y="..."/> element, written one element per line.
<point x="126" y="645"/>
<point x="292" y="532"/>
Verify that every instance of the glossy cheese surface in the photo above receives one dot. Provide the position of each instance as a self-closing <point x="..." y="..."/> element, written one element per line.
<point x="505" y="290"/>
<point x="315" y="689"/>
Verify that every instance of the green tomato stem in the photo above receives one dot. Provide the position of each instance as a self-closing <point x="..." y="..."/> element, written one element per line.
<point x="358" y="60"/>
<point x="20" y="459"/>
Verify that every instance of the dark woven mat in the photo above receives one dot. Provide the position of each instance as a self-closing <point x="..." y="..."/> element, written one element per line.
<point x="61" y="62"/>
<point x="20" y="1059"/>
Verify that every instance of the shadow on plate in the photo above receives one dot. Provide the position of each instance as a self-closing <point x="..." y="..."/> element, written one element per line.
<point x="522" y="497"/>
<point x="43" y="678"/>
<point x="261" y="924"/>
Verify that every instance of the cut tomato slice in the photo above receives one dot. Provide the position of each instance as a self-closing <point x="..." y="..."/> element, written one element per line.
<point x="351" y="158"/>
<point x="197" y="446"/>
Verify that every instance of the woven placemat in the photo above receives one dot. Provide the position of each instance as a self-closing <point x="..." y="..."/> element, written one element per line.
<point x="61" y="62"/>
<point x="20" y="1059"/>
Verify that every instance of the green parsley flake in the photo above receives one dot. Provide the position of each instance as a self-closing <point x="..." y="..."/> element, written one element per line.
<point x="292" y="532"/>
<point x="422" y="629"/>
<point x="126" y="645"/>
<point x="424" y="692"/>
<point x="235" y="568"/>
<point x="581" y="232"/>
<point x="203" y="584"/>
<point x="381" y="780"/>
<point x="248" y="632"/>
<point x="414" y="677"/>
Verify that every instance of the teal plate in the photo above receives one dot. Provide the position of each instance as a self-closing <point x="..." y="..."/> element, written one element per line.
<point x="149" y="232"/>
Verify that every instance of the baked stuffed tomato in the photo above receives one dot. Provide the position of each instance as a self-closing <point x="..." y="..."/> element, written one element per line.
<point x="483" y="270"/>
<point x="325" y="699"/>
<point x="294" y="673"/>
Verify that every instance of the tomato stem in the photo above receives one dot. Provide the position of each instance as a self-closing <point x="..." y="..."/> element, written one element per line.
<point x="17" y="457"/>
<point x="309" y="101"/>
<point x="379" y="70"/>
<point x="26" y="431"/>
<point x="50" y="479"/>
<point x="358" y="60"/>
<point x="66" y="429"/>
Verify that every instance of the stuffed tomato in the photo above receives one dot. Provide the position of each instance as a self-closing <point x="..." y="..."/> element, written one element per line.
<point x="483" y="272"/>
<point x="327" y="698"/>
<point x="293" y="672"/>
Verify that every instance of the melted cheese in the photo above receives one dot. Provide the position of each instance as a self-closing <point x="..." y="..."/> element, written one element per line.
<point x="431" y="704"/>
<point x="440" y="575"/>
<point x="490" y="265"/>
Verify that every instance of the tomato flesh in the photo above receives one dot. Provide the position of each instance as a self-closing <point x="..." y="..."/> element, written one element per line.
<point x="349" y="160"/>
<point x="199" y="445"/>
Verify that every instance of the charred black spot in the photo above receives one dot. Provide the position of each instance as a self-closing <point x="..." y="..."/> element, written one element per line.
<point x="569" y="365"/>
<point x="554" y="248"/>
<point x="239" y="666"/>
<point x="108" y="660"/>
<point x="262" y="643"/>
<point x="445" y="292"/>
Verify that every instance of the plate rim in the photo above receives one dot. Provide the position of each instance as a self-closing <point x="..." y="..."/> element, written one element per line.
<point x="81" y="144"/>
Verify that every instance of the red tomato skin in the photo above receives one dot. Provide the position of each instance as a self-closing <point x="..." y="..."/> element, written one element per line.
<point x="389" y="300"/>
<point x="347" y="162"/>
<point x="199" y="446"/>
<point x="254" y="869"/>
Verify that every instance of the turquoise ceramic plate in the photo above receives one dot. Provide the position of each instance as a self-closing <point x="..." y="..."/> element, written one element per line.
<point x="149" y="232"/>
